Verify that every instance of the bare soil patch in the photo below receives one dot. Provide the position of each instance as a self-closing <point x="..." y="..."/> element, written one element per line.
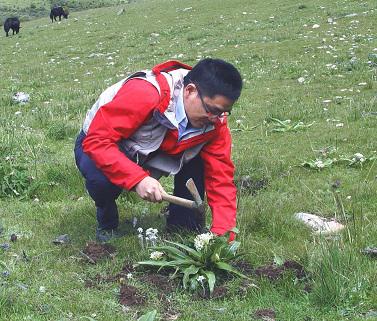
<point x="219" y="292"/>
<point x="265" y="314"/>
<point x="130" y="296"/>
<point x="275" y="272"/>
<point x="95" y="251"/>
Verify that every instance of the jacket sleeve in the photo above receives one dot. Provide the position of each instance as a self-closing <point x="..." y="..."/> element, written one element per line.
<point x="132" y="105"/>
<point x="219" y="181"/>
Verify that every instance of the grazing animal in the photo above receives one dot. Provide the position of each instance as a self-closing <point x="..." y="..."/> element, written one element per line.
<point x="12" y="23"/>
<point x="58" y="12"/>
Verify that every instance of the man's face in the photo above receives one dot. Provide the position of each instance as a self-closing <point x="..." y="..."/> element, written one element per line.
<point x="201" y="110"/>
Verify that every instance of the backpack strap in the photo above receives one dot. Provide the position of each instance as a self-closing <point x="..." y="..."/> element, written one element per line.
<point x="166" y="66"/>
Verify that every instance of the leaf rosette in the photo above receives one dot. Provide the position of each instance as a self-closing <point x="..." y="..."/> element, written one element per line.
<point x="200" y="261"/>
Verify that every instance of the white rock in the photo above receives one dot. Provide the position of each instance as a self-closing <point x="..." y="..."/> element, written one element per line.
<point x="318" y="224"/>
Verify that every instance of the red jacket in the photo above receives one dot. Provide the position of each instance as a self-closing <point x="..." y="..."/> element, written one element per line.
<point x="131" y="106"/>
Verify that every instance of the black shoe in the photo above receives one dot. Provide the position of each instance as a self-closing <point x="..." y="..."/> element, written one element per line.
<point x="106" y="235"/>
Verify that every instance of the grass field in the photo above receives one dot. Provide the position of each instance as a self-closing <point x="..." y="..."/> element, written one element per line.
<point x="313" y="62"/>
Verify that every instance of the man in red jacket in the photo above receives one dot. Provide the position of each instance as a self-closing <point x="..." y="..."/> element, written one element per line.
<point x="168" y="120"/>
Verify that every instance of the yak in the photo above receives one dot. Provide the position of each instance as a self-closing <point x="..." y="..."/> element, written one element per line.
<point x="12" y="23"/>
<point x="58" y="12"/>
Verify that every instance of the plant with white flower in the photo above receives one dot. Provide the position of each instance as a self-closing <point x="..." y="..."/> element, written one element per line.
<point x="358" y="157"/>
<point x="129" y="276"/>
<point x="151" y="236"/>
<point x="198" y="262"/>
<point x="202" y="240"/>
<point x="319" y="164"/>
<point x="156" y="255"/>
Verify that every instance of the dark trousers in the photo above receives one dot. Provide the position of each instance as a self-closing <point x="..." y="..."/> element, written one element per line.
<point x="104" y="193"/>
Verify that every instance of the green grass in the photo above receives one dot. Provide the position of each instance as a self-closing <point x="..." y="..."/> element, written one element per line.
<point x="64" y="67"/>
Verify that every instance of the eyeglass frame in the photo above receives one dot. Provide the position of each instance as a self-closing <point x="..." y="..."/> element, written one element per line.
<point x="207" y="108"/>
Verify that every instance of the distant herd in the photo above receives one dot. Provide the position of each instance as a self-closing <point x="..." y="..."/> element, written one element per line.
<point x="14" y="23"/>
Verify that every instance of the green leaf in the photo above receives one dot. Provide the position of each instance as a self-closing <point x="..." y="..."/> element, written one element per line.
<point x="229" y="268"/>
<point x="191" y="251"/>
<point x="234" y="246"/>
<point x="211" y="278"/>
<point x="186" y="274"/>
<point x="194" y="283"/>
<point x="172" y="263"/>
<point x="171" y="250"/>
<point x="150" y="316"/>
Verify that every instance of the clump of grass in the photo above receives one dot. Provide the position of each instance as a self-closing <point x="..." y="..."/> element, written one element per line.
<point x="15" y="179"/>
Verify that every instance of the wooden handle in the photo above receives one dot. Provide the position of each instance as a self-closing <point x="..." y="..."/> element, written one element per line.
<point x="179" y="201"/>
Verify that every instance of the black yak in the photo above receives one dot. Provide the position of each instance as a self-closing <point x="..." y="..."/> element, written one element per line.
<point x="58" y="12"/>
<point x="12" y="23"/>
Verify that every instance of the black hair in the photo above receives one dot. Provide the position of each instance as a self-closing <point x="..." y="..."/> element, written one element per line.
<point x="215" y="77"/>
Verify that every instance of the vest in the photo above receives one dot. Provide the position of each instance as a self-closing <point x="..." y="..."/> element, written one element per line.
<point x="143" y="146"/>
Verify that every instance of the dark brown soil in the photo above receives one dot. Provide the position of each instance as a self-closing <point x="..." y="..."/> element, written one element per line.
<point x="119" y="277"/>
<point x="219" y="292"/>
<point x="244" y="267"/>
<point x="265" y="314"/>
<point x="162" y="282"/>
<point x="275" y="272"/>
<point x="130" y="296"/>
<point x="95" y="251"/>
<point x="251" y="185"/>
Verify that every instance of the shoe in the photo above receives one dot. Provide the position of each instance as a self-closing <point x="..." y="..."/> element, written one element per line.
<point x="106" y="235"/>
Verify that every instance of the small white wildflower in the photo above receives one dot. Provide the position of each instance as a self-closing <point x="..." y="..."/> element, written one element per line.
<point x="315" y="26"/>
<point x="129" y="276"/>
<point x="238" y="121"/>
<point x="349" y="197"/>
<point x="42" y="289"/>
<point x="140" y="230"/>
<point x="301" y="80"/>
<point x="339" y="125"/>
<point x="319" y="164"/>
<point x="156" y="255"/>
<point x="200" y="278"/>
<point x="18" y="113"/>
<point x="359" y="157"/>
<point x="202" y="240"/>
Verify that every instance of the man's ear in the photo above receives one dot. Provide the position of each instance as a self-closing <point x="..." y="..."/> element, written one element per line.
<point x="189" y="90"/>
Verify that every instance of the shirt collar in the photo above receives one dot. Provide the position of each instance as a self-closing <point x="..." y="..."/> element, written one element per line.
<point x="180" y="113"/>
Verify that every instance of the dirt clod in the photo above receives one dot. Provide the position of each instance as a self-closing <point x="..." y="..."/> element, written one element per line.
<point x="13" y="237"/>
<point x="275" y="272"/>
<point x="265" y="314"/>
<point x="130" y="296"/>
<point x="161" y="282"/>
<point x="219" y="292"/>
<point x="95" y="251"/>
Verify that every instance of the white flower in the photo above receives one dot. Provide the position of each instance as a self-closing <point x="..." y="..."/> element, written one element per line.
<point x="359" y="157"/>
<point x="200" y="278"/>
<point x="156" y="255"/>
<point x="202" y="240"/>
<point x="319" y="164"/>
<point x="339" y="125"/>
<point x="301" y="80"/>
<point x="315" y="26"/>
<point x="140" y="230"/>
<point x="42" y="289"/>
<point x="129" y="276"/>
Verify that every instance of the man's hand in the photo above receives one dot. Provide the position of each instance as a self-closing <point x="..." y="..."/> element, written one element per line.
<point x="149" y="189"/>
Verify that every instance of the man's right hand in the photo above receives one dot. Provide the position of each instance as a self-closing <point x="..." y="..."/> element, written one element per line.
<point x="150" y="189"/>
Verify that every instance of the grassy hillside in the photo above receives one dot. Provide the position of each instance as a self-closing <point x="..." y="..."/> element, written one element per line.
<point x="27" y="10"/>
<point x="313" y="62"/>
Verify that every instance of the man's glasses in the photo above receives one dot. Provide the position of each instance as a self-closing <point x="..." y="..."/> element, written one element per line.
<point x="213" y="112"/>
